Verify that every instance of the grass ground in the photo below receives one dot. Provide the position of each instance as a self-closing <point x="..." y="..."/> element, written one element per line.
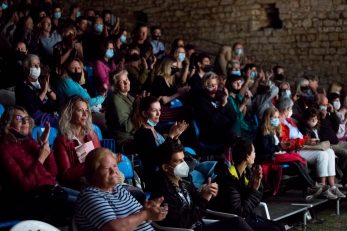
<point x="325" y="219"/>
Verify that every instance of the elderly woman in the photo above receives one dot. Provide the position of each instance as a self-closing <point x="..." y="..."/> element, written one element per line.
<point x="119" y="110"/>
<point x="28" y="167"/>
<point x="147" y="139"/>
<point x="186" y="205"/>
<point x="105" y="193"/>
<point x="240" y="191"/>
<point x="75" y="141"/>
<point x="323" y="158"/>
<point x="35" y="93"/>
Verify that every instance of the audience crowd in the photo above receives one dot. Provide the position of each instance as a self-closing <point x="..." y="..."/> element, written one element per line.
<point x="76" y="70"/>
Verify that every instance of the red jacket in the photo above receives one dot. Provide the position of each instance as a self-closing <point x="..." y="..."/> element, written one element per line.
<point x="70" y="170"/>
<point x="293" y="144"/>
<point x="19" y="161"/>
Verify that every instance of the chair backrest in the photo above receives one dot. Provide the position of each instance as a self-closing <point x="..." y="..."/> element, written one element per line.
<point x="2" y="109"/>
<point x="38" y="130"/>
<point x="97" y="131"/>
<point x="33" y="225"/>
<point x="109" y="143"/>
<point x="126" y="167"/>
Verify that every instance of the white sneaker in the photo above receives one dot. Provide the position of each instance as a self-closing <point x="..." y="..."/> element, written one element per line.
<point x="329" y="195"/>
<point x="335" y="190"/>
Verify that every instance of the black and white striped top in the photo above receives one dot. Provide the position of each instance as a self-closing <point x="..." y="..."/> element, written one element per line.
<point x="94" y="208"/>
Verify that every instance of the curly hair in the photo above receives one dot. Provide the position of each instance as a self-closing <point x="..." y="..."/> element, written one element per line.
<point x="6" y="120"/>
<point x="65" y="120"/>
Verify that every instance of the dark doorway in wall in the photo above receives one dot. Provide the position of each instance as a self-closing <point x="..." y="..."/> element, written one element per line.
<point x="273" y="16"/>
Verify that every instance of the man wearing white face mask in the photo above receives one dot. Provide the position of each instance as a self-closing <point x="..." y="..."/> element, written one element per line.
<point x="186" y="206"/>
<point x="35" y="94"/>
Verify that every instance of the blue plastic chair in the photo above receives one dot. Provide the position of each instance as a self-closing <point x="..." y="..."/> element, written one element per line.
<point x="206" y="150"/>
<point x="126" y="167"/>
<point x="38" y="130"/>
<point x="2" y="109"/>
<point x="97" y="131"/>
<point x="109" y="143"/>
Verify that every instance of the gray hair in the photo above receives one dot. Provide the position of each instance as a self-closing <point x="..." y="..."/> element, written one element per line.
<point x="117" y="75"/>
<point x="284" y="104"/>
<point x="27" y="63"/>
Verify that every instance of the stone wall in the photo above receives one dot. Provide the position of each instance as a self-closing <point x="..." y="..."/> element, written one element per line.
<point x="313" y="34"/>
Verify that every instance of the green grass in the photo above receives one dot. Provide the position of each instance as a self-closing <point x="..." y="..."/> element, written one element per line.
<point x="326" y="219"/>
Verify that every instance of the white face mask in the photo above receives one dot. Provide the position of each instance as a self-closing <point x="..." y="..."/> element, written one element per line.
<point x="337" y="105"/>
<point x="181" y="170"/>
<point x="35" y="72"/>
<point x="290" y="113"/>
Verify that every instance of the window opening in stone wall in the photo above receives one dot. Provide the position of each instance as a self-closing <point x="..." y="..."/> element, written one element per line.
<point x="273" y="16"/>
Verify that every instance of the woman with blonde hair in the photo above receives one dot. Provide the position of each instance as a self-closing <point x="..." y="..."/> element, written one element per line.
<point x="76" y="139"/>
<point x="270" y="152"/>
<point x="170" y="94"/>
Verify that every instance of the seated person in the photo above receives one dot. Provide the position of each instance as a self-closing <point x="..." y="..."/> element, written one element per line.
<point x="29" y="170"/>
<point x="35" y="93"/>
<point x="105" y="67"/>
<point x="186" y="205"/>
<point x="212" y="111"/>
<point x="324" y="160"/>
<point x="147" y="138"/>
<point x="239" y="97"/>
<point x="106" y="205"/>
<point x="75" y="140"/>
<point x="269" y="150"/>
<point x="69" y="84"/>
<point x="165" y="88"/>
<point x="119" y="111"/>
<point x="239" y="191"/>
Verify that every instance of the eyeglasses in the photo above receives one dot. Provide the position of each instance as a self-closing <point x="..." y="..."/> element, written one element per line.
<point x="22" y="119"/>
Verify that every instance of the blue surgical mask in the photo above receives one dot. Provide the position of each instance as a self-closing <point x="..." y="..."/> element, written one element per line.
<point x="57" y="15"/>
<point x="4" y="6"/>
<point x="151" y="123"/>
<point x="109" y="53"/>
<point x="238" y="51"/>
<point x="181" y="57"/>
<point x="286" y="93"/>
<point x="275" y="122"/>
<point x="323" y="108"/>
<point x="253" y="75"/>
<point x="236" y="72"/>
<point x="123" y="38"/>
<point x="98" y="28"/>
<point x="78" y="14"/>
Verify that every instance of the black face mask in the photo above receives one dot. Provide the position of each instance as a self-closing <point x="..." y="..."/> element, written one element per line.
<point x="208" y="68"/>
<point x="235" y="91"/>
<point x="76" y="76"/>
<point x="279" y="77"/>
<point x="20" y="55"/>
<point x="263" y="89"/>
<point x="174" y="70"/>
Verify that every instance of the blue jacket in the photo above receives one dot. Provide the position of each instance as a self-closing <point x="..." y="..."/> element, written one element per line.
<point x="67" y="87"/>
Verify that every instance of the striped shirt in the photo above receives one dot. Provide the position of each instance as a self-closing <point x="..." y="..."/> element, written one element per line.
<point x="95" y="208"/>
